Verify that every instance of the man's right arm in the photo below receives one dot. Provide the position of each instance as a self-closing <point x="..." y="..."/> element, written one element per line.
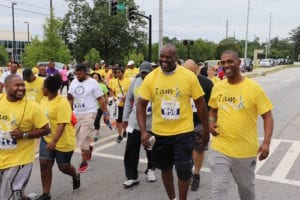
<point x="141" y="119"/>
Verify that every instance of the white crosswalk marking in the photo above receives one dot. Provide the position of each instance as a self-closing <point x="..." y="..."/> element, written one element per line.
<point x="279" y="174"/>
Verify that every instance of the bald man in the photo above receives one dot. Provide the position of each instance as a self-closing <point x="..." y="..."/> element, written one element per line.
<point x="198" y="151"/>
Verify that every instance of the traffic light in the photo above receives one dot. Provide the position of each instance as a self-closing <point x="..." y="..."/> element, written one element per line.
<point x="131" y="13"/>
<point x="185" y="42"/>
<point x="113" y="7"/>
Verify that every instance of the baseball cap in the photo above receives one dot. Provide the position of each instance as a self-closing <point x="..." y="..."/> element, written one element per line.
<point x="102" y="62"/>
<point x="27" y="73"/>
<point x="130" y="62"/>
<point x="145" y="67"/>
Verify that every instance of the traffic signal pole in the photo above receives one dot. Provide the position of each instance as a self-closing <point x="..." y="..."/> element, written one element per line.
<point x="150" y="32"/>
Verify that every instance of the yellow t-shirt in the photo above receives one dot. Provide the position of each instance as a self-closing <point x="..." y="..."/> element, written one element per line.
<point x="214" y="79"/>
<point x="131" y="73"/>
<point x="35" y="71"/>
<point x="27" y="115"/>
<point x="113" y="83"/>
<point x="58" y="111"/>
<point x="238" y="108"/>
<point x="170" y="96"/>
<point x="34" y="89"/>
<point x="107" y="76"/>
<point x="124" y="84"/>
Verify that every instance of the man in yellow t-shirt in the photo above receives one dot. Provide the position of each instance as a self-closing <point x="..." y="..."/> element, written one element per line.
<point x="21" y="121"/>
<point x="235" y="105"/>
<point x="131" y="71"/>
<point x="33" y="85"/>
<point x="169" y="89"/>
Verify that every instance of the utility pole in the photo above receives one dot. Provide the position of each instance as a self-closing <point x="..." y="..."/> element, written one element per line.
<point x="246" y="39"/>
<point x="269" y="40"/>
<point x="51" y="16"/>
<point x="226" y="29"/>
<point x="160" y="27"/>
<point x="14" y="36"/>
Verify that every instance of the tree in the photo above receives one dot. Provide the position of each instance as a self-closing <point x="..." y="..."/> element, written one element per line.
<point x="51" y="48"/>
<point x="227" y="44"/>
<point x="92" y="57"/>
<point x="87" y="27"/>
<point x="295" y="38"/>
<point x="3" y="56"/>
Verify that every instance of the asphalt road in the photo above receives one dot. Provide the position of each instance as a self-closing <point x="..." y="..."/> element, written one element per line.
<point x="277" y="178"/>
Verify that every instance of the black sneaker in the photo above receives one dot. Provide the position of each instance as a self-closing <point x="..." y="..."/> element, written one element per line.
<point x="195" y="182"/>
<point x="45" y="197"/>
<point x="119" y="139"/>
<point x="76" y="181"/>
<point x="124" y="134"/>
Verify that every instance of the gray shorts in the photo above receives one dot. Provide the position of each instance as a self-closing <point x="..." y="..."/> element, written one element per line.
<point x="13" y="181"/>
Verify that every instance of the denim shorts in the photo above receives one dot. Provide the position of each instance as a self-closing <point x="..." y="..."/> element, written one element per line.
<point x="60" y="157"/>
<point x="173" y="150"/>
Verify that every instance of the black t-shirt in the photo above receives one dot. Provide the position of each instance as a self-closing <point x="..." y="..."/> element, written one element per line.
<point x="206" y="85"/>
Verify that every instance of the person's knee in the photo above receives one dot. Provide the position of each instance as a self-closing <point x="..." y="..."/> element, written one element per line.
<point x="184" y="175"/>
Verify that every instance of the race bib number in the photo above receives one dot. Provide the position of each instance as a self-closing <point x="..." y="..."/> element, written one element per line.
<point x="170" y="110"/>
<point x="149" y="109"/>
<point x="79" y="104"/>
<point x="6" y="141"/>
<point x="194" y="109"/>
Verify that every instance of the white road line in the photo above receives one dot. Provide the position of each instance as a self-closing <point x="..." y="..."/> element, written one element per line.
<point x="286" y="163"/>
<point x="274" y="144"/>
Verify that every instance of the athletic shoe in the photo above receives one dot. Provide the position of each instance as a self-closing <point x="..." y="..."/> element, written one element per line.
<point x="45" y="197"/>
<point x="151" y="175"/>
<point x="76" y="181"/>
<point x="83" y="167"/>
<point x="195" y="182"/>
<point x="32" y="196"/>
<point x="119" y="139"/>
<point x="90" y="153"/>
<point x="131" y="182"/>
<point x="124" y="134"/>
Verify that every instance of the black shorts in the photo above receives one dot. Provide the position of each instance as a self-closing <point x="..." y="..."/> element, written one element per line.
<point x="120" y="114"/>
<point x="173" y="150"/>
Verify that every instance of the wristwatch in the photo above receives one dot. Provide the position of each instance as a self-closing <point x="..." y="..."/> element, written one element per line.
<point x="25" y="135"/>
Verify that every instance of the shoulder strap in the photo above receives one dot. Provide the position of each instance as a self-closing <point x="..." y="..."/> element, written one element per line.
<point x="120" y="87"/>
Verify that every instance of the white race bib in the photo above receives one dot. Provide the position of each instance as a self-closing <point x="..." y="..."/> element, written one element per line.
<point x="79" y="104"/>
<point x="149" y="109"/>
<point x="170" y="110"/>
<point x="6" y="141"/>
<point x="194" y="109"/>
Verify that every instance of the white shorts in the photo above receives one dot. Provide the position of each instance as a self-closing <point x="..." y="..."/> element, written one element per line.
<point x="13" y="181"/>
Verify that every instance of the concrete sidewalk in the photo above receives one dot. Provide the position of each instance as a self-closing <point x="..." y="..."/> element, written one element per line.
<point x="261" y="71"/>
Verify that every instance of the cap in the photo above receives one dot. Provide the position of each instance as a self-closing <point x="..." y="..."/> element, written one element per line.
<point x="27" y="72"/>
<point x="102" y="62"/>
<point x="145" y="67"/>
<point x="81" y="67"/>
<point x="130" y="62"/>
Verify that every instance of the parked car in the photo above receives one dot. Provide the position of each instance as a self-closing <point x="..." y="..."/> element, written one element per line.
<point x="246" y="65"/>
<point x="266" y="62"/>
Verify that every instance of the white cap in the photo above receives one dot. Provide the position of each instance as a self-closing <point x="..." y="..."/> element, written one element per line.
<point x="102" y="62"/>
<point x="130" y="62"/>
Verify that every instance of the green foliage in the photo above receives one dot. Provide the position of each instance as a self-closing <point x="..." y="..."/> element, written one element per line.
<point x="227" y="44"/>
<point x="113" y="36"/>
<point x="295" y="38"/>
<point x="92" y="57"/>
<point x="136" y="57"/>
<point x="51" y="48"/>
<point x="3" y="56"/>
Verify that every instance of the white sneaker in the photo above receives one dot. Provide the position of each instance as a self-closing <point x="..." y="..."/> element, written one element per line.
<point x="131" y="182"/>
<point x="151" y="175"/>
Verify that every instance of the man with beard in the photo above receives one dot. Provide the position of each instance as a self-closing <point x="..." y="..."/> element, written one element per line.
<point x="21" y="121"/>
<point x="83" y="95"/>
<point x="235" y="104"/>
<point x="169" y="89"/>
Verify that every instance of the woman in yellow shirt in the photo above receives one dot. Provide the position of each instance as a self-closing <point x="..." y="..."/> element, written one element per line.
<point x="211" y="74"/>
<point x="60" y="143"/>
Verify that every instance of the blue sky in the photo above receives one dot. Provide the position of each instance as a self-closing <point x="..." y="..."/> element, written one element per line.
<point x="184" y="19"/>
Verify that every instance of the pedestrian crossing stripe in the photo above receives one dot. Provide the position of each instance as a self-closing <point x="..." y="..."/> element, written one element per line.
<point x="279" y="175"/>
